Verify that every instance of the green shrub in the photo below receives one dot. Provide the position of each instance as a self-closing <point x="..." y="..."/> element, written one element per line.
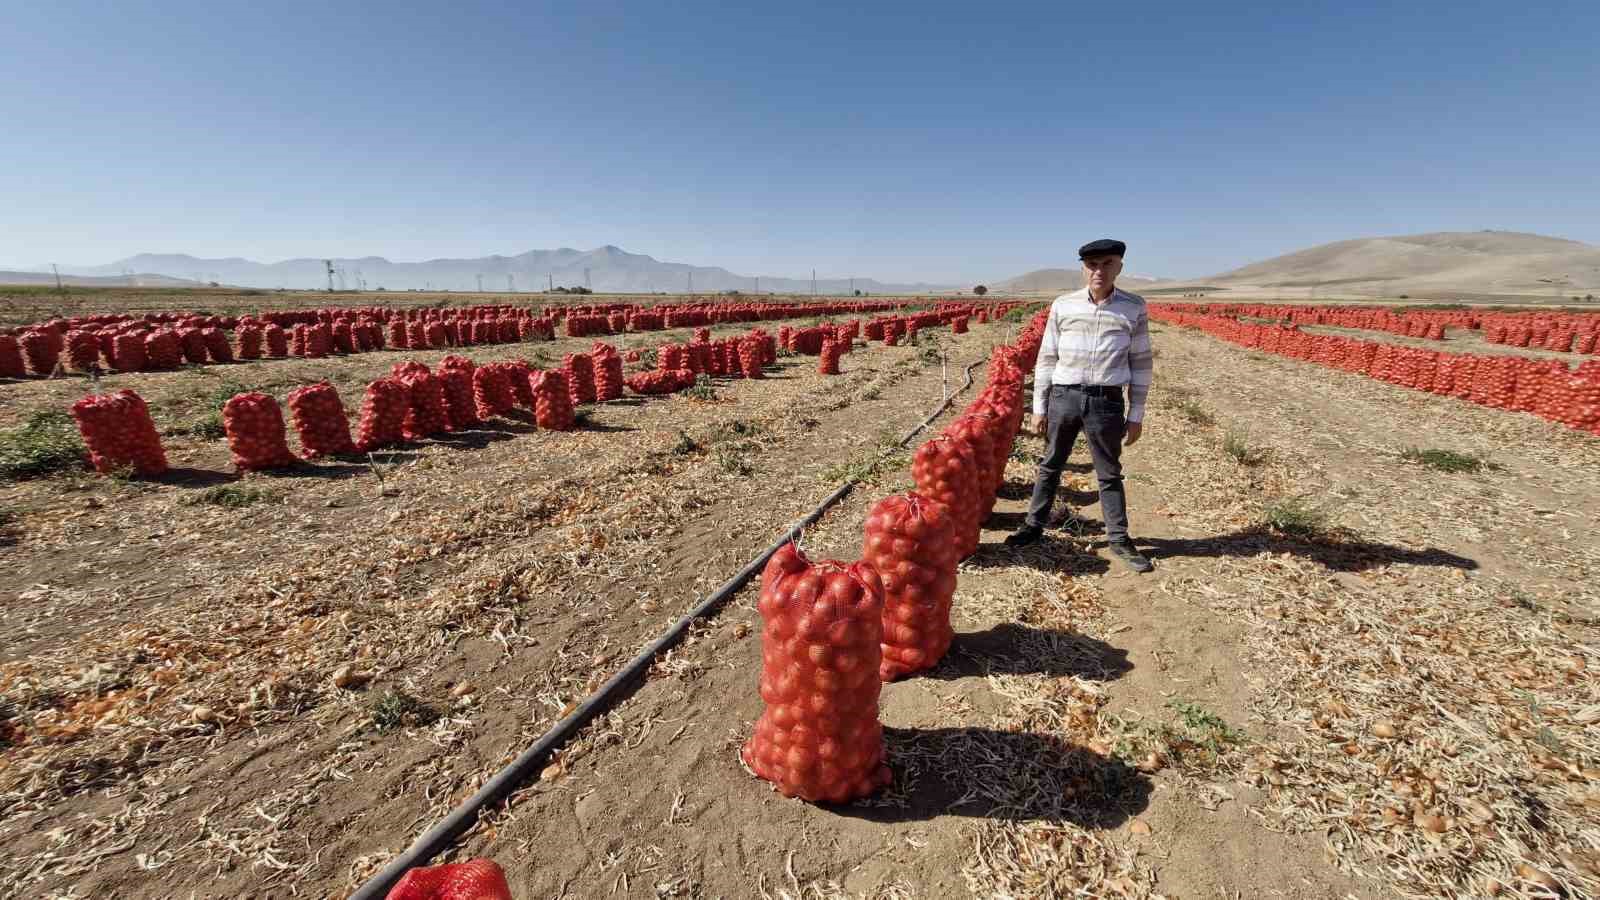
<point x="47" y="444"/>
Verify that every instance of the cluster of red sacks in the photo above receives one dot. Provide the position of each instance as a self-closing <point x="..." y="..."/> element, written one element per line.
<point x="833" y="631"/>
<point x="1547" y="388"/>
<point x="1563" y="332"/>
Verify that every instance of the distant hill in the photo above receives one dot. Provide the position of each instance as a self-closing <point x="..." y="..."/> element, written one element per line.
<point x="604" y="269"/>
<point x="1463" y="261"/>
<point x="1063" y="280"/>
<point x="142" y="280"/>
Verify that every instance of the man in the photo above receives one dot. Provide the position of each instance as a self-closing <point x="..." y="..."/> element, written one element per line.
<point x="1096" y="344"/>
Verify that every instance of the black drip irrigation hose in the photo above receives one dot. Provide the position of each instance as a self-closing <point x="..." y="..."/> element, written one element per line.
<point x="459" y="820"/>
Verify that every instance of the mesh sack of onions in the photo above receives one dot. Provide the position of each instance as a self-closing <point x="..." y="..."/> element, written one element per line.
<point x="475" y="879"/>
<point x="83" y="350"/>
<point x="702" y="335"/>
<point x="300" y="340"/>
<point x="728" y="350"/>
<point x="417" y="336"/>
<point x="553" y="401"/>
<point x="119" y="433"/>
<point x="617" y="322"/>
<point x="607" y="376"/>
<point x="491" y="391"/>
<point x="11" y="364"/>
<point x="828" y="360"/>
<point x="162" y="350"/>
<point x="946" y="470"/>
<point x="435" y="334"/>
<point x="519" y="371"/>
<point x="319" y="341"/>
<point x="277" y="341"/>
<point x="973" y="432"/>
<point x="910" y="541"/>
<point x="751" y="356"/>
<point x="428" y="413"/>
<point x="320" y="420"/>
<point x="397" y="334"/>
<point x="506" y="330"/>
<point x="39" y="349"/>
<point x="483" y="331"/>
<point x="579" y="369"/>
<point x="455" y="375"/>
<point x="217" y="346"/>
<point x="383" y="414"/>
<point x="409" y="367"/>
<point x="819" y="737"/>
<point x="193" y="345"/>
<point x="249" y="341"/>
<point x="958" y="325"/>
<point x="344" y="337"/>
<point x="129" y="352"/>
<point x="671" y="356"/>
<point x="254" y="425"/>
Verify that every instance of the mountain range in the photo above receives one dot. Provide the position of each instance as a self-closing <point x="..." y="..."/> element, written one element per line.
<point x="606" y="269"/>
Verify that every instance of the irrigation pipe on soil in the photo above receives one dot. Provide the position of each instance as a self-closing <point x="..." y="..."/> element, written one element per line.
<point x="463" y="817"/>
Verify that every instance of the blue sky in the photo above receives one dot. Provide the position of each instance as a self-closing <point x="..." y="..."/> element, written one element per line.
<point x="937" y="141"/>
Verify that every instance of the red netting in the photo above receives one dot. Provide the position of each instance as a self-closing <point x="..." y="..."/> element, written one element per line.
<point x="277" y="341"/>
<point x="397" y="334"/>
<point x="660" y="381"/>
<point x="130" y="352"/>
<point x="579" y="369"/>
<point x="11" y="364"/>
<point x="475" y="879"/>
<point x="249" y="341"/>
<point x="946" y="470"/>
<point x="972" y="433"/>
<point x="828" y="359"/>
<point x="383" y="414"/>
<point x="417" y="336"/>
<point x="83" y="350"/>
<point x="39" y="349"/>
<point x="118" y="432"/>
<point x="751" y="357"/>
<point x="254" y="425"/>
<point x="320" y="420"/>
<point x="428" y="413"/>
<point x="553" y="401"/>
<point x="910" y="541"/>
<point x="491" y="391"/>
<point x="217" y="346"/>
<point x="819" y="737"/>
<point x="455" y="374"/>
<point x="193" y="344"/>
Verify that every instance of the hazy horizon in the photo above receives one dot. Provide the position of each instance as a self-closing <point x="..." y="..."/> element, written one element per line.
<point x="932" y="143"/>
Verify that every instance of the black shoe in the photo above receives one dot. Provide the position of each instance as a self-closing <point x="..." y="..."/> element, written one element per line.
<point x="1130" y="556"/>
<point x="1022" y="537"/>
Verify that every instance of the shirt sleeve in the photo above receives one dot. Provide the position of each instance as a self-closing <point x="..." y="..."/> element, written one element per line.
<point x="1141" y="368"/>
<point x="1045" y="366"/>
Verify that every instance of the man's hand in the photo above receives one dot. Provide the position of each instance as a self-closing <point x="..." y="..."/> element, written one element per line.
<point x="1134" y="430"/>
<point x="1036" y="425"/>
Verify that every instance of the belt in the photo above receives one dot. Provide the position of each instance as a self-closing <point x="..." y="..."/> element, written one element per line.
<point x="1095" y="390"/>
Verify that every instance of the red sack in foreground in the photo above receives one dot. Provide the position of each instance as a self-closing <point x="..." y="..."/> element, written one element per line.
<point x="910" y="541"/>
<point x="320" y="420"/>
<point x="383" y="414"/>
<point x="819" y="737"/>
<point x="118" y="432"/>
<point x="254" y="425"/>
<point x="475" y="879"/>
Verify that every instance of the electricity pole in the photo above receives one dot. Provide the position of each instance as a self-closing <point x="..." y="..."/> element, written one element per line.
<point x="813" y="282"/>
<point x="328" y="264"/>
<point x="586" y="284"/>
<point x="58" y="275"/>
<point x="480" y="283"/>
<point x="552" y="278"/>
<point x="511" y="283"/>
<point x="691" y="280"/>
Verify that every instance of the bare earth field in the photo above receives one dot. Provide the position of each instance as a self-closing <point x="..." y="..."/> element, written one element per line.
<point x="1350" y="675"/>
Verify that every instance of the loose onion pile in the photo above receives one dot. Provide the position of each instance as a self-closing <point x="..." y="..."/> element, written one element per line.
<point x="320" y="420"/>
<point x="254" y="425"/>
<point x="819" y="737"/>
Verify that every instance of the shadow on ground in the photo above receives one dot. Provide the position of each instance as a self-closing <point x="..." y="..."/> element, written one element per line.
<point x="1052" y="553"/>
<point x="987" y="773"/>
<point x="1341" y="553"/>
<point x="1013" y="649"/>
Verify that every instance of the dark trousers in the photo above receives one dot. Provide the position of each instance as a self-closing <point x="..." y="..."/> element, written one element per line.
<point x="1100" y="417"/>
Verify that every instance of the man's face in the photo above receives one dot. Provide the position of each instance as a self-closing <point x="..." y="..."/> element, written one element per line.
<point x="1100" y="272"/>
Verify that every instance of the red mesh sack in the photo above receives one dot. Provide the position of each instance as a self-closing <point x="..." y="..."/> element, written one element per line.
<point x="819" y="738"/>
<point x="83" y="350"/>
<point x="11" y="364"/>
<point x="987" y="433"/>
<point x="162" y="350"/>
<point x="217" y="346"/>
<point x="519" y="371"/>
<point x="129" y="352"/>
<point x="671" y="356"/>
<point x="456" y="379"/>
<point x="946" y="470"/>
<point x="435" y="333"/>
<point x="397" y="333"/>
<point x="751" y="355"/>
<point x="254" y="425"/>
<point x="299" y="340"/>
<point x="828" y="360"/>
<point x="118" y="432"/>
<point x="320" y="420"/>
<point x="579" y="369"/>
<point x="344" y="337"/>
<point x="249" y="341"/>
<point x="491" y="391"/>
<point x="277" y="341"/>
<point x="475" y="879"/>
<point x="973" y="432"/>
<point x="417" y="336"/>
<point x="193" y="344"/>
<point x="428" y="412"/>
<point x="607" y="376"/>
<point x="553" y="401"/>
<point x="383" y="414"/>
<point x="910" y="541"/>
<point x="39" y="349"/>
<point x="319" y="341"/>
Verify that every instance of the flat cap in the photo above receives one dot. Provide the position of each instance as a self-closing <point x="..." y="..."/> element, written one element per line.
<point x="1103" y="247"/>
